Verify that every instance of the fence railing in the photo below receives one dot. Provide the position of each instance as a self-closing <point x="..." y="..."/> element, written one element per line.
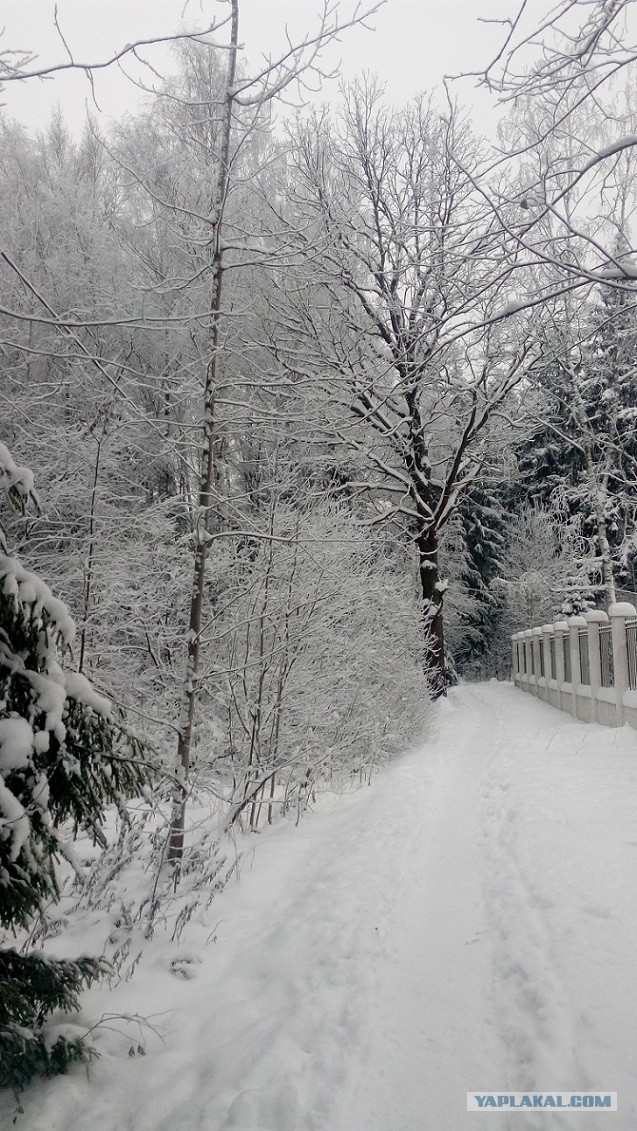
<point x="585" y="665"/>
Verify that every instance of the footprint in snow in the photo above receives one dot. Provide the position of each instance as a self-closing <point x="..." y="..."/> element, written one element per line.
<point x="185" y="966"/>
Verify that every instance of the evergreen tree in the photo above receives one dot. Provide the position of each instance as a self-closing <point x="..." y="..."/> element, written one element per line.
<point x="484" y="521"/>
<point x="63" y="758"/>
<point x="582" y="457"/>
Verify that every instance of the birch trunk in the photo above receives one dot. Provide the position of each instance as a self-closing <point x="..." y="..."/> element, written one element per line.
<point x="205" y="501"/>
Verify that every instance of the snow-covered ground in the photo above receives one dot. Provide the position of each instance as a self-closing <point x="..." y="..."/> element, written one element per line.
<point x="466" y="922"/>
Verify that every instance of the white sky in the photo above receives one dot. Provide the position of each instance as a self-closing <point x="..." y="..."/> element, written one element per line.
<point x="415" y="42"/>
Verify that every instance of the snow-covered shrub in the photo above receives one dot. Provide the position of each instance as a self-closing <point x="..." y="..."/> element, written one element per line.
<point x="547" y="572"/>
<point x="320" y="661"/>
<point x="548" y="562"/>
<point x="63" y="758"/>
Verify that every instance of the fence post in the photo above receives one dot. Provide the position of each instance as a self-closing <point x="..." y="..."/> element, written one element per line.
<point x="593" y="618"/>
<point x="619" y="614"/>
<point x="520" y="644"/>
<point x="515" y="652"/>
<point x="530" y="657"/>
<point x="536" y="636"/>
<point x="574" y="625"/>
<point x="547" y="631"/>
<point x="560" y="628"/>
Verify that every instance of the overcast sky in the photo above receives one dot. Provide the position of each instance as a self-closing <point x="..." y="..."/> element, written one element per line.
<point x="413" y="44"/>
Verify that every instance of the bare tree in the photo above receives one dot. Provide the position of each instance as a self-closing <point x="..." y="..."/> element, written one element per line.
<point x="234" y="118"/>
<point x="397" y="311"/>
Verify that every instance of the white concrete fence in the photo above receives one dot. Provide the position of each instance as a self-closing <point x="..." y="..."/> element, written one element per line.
<point x="585" y="665"/>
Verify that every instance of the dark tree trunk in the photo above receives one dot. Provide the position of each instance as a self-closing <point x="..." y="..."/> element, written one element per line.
<point x="418" y="465"/>
<point x="432" y="598"/>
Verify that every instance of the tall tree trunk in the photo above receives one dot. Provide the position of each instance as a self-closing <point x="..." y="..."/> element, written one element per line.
<point x="418" y="465"/>
<point x="432" y="599"/>
<point x="190" y="688"/>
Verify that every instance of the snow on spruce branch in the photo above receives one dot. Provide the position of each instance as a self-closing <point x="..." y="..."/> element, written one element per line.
<point x="56" y="731"/>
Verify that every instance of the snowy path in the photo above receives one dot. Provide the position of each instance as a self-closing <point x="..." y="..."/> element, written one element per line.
<point x="513" y="946"/>
<point x="468" y="922"/>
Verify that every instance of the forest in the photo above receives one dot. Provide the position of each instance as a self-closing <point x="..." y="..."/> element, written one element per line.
<point x="305" y="407"/>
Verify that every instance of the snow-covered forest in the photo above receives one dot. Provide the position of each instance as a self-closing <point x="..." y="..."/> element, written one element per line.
<point x="307" y="402"/>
